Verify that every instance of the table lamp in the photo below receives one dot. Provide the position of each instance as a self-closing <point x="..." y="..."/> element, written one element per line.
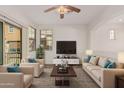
<point x="89" y="52"/>
<point x="121" y="57"/>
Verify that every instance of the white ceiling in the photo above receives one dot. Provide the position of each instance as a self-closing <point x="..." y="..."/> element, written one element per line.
<point x="36" y="15"/>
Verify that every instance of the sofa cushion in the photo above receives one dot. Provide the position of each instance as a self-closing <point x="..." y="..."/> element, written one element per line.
<point x="97" y="73"/>
<point x="103" y="61"/>
<point x="3" y="69"/>
<point x="94" y="60"/>
<point x="27" y="79"/>
<point x="93" y="67"/>
<point x="86" y="64"/>
<point x="87" y="58"/>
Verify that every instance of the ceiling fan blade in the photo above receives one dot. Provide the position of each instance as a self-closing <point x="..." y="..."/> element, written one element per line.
<point x="72" y="8"/>
<point x="50" y="9"/>
<point x="61" y="16"/>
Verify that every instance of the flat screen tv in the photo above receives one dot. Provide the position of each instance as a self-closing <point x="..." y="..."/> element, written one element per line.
<point x="66" y="47"/>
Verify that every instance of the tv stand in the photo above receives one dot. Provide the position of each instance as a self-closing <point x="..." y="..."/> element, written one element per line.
<point x="70" y="60"/>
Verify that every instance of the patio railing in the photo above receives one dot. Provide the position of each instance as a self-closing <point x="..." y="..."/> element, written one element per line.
<point x="12" y="58"/>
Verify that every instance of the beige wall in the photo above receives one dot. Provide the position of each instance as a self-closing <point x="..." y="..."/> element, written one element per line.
<point x="11" y="36"/>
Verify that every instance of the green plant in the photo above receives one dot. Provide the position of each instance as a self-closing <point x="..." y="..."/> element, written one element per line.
<point x="40" y="53"/>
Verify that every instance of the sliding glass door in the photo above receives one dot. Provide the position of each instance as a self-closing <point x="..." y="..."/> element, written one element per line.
<point x="12" y="44"/>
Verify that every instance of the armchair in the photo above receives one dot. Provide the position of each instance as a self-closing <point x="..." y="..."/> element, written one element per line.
<point x="23" y="79"/>
<point x="38" y="66"/>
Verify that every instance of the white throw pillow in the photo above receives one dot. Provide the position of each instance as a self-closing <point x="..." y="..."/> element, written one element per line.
<point x="94" y="60"/>
<point x="102" y="61"/>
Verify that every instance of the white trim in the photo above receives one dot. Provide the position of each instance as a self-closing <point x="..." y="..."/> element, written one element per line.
<point x="11" y="20"/>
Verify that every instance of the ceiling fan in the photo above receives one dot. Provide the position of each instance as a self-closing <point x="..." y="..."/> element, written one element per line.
<point x="63" y="9"/>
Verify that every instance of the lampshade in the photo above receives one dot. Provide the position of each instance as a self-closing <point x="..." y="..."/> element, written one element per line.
<point x="89" y="52"/>
<point x="121" y="57"/>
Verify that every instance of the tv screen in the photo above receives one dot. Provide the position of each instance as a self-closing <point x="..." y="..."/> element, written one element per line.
<point x="66" y="47"/>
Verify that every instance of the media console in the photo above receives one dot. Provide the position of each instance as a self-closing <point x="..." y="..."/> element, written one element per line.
<point x="69" y="60"/>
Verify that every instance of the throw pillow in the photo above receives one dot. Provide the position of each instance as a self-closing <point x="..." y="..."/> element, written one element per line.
<point x="102" y="61"/>
<point x="94" y="60"/>
<point x="112" y="64"/>
<point x="106" y="63"/>
<point x="87" y="58"/>
<point x="31" y="60"/>
<point x="13" y="69"/>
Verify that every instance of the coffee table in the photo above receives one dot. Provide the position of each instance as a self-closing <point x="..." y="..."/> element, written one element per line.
<point x="63" y="79"/>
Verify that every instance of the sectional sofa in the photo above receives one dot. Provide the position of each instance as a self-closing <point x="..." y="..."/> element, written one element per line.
<point x="104" y="77"/>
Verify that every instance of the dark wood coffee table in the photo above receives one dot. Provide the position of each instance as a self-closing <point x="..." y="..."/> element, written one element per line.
<point x="63" y="79"/>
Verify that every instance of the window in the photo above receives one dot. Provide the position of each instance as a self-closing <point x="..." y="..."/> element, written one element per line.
<point x="46" y="38"/>
<point x="12" y="44"/>
<point x="11" y="28"/>
<point x="112" y="34"/>
<point x="32" y="39"/>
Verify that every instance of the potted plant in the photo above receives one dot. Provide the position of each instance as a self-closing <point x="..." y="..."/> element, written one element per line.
<point x="40" y="53"/>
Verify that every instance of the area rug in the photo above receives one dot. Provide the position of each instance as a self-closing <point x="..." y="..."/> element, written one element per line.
<point x="81" y="81"/>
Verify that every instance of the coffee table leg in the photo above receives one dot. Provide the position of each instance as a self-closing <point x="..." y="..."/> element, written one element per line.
<point x="58" y="81"/>
<point x="62" y="81"/>
<point x="66" y="81"/>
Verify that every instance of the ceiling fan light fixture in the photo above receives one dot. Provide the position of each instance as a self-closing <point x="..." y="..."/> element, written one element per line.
<point x="63" y="10"/>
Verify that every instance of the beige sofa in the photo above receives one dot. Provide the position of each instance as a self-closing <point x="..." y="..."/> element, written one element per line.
<point x="22" y="79"/>
<point x="104" y="77"/>
<point x="38" y="66"/>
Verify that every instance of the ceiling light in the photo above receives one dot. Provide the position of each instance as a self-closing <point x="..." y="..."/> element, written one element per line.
<point x="63" y="9"/>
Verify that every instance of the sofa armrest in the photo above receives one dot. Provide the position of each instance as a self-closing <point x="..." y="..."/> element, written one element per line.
<point x="11" y="80"/>
<point x="27" y="70"/>
<point x="82" y="62"/>
<point x="41" y="61"/>
<point x="108" y="77"/>
<point x="36" y="66"/>
<point x="29" y="64"/>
